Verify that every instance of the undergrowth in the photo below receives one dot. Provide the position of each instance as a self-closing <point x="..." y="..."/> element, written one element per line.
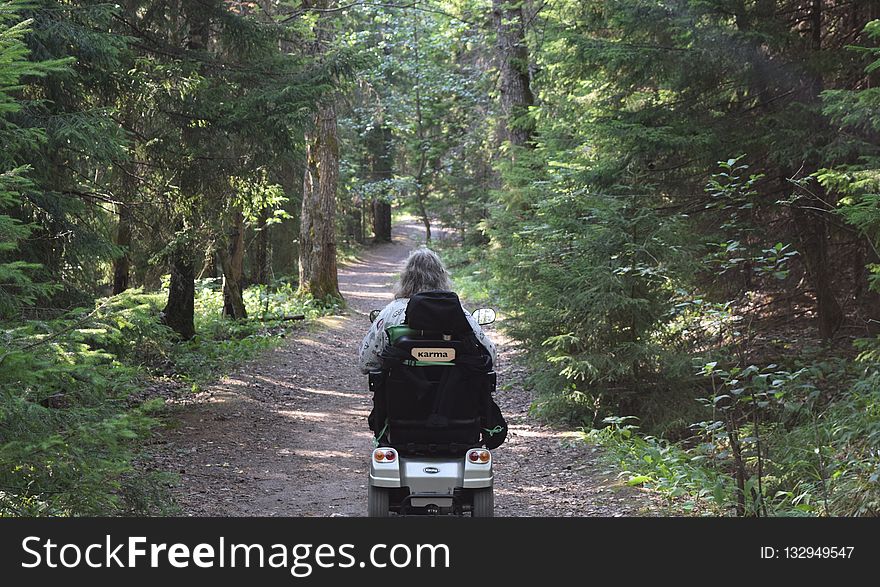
<point x="809" y="446"/>
<point x="69" y="428"/>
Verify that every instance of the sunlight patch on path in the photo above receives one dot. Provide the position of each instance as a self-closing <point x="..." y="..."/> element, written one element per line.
<point x="308" y="416"/>
<point x="316" y="454"/>
<point x="333" y="322"/>
<point x="330" y="392"/>
<point x="532" y="432"/>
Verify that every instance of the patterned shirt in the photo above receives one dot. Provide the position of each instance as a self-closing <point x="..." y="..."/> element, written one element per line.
<point x="392" y="315"/>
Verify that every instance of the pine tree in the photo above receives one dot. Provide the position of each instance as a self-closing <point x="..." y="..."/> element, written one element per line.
<point x="74" y="109"/>
<point x="17" y="286"/>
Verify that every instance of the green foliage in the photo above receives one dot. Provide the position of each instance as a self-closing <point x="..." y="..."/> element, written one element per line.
<point x="592" y="281"/>
<point x="818" y="451"/>
<point x="70" y="109"/>
<point x="857" y="109"/>
<point x="470" y="271"/>
<point x="255" y="195"/>
<point x="618" y="251"/>
<point x="70" y="434"/>
<point x="744" y="253"/>
<point x="657" y="464"/>
<point x="424" y="106"/>
<point x="17" y="286"/>
<point x="858" y="182"/>
<point x="621" y="256"/>
<point x="852" y="428"/>
<point x="129" y="133"/>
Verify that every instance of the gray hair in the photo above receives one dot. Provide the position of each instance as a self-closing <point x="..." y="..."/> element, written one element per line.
<point x="424" y="271"/>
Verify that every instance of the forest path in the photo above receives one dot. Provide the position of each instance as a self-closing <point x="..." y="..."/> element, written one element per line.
<point x="286" y="434"/>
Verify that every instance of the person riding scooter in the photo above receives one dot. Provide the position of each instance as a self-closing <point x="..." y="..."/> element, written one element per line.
<point x="422" y="272"/>
<point x="434" y="419"/>
<point x="423" y="300"/>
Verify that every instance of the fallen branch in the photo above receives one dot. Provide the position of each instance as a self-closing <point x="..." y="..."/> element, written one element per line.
<point x="284" y="318"/>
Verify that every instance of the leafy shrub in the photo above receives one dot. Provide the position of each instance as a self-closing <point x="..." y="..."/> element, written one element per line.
<point x="591" y="283"/>
<point x="814" y="451"/>
<point x="69" y="434"/>
<point x="67" y="431"/>
<point x="666" y="467"/>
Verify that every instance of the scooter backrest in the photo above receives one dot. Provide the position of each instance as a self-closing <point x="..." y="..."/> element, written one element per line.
<point x="424" y="348"/>
<point x="437" y="311"/>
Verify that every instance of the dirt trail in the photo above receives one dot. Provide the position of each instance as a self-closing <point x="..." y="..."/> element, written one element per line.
<point x="286" y="434"/>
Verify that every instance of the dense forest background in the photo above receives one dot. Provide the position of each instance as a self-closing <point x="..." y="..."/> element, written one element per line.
<point x="675" y="203"/>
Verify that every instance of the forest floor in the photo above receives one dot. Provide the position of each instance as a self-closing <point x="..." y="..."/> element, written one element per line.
<point x="286" y="434"/>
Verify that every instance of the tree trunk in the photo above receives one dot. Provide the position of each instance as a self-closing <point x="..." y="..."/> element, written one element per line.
<point x="811" y="225"/>
<point x="381" y="169"/>
<point x="284" y="237"/>
<point x="180" y="308"/>
<point x="179" y="311"/>
<point x="317" y="254"/>
<point x="870" y="298"/>
<point x="233" y="259"/>
<point x="513" y="61"/>
<point x="122" y="239"/>
<point x="261" y="262"/>
<point x="381" y="221"/>
<point x="739" y="469"/>
<point x="812" y="232"/>
<point x="421" y="196"/>
<point x="423" y="210"/>
<point x="209" y="264"/>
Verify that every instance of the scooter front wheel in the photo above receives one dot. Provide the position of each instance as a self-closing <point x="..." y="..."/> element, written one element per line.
<point x="377" y="502"/>
<point x="484" y="503"/>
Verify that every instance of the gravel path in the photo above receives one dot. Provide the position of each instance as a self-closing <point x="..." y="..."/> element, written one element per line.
<point x="286" y="434"/>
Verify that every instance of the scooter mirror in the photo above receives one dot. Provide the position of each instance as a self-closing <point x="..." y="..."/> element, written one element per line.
<point x="484" y="316"/>
<point x="374" y="314"/>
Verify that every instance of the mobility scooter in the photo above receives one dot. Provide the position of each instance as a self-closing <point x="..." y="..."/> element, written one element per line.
<point x="434" y="417"/>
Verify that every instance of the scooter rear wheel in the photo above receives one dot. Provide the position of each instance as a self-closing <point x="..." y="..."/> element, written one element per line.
<point x="484" y="503"/>
<point x="377" y="502"/>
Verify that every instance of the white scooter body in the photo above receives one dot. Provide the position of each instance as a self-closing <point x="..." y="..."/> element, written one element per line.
<point x="431" y="485"/>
